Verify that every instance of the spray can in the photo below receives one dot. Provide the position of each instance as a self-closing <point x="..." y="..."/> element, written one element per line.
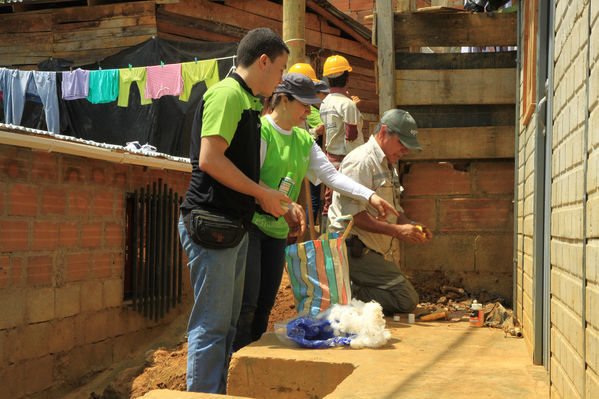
<point x="477" y="315"/>
<point x="286" y="184"/>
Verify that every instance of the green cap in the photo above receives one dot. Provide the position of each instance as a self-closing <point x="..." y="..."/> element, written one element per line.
<point x="402" y="123"/>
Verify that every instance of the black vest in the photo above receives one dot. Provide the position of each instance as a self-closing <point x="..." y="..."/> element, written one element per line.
<point x="244" y="152"/>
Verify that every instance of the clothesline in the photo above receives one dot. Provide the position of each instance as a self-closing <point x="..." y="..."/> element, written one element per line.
<point x="103" y="86"/>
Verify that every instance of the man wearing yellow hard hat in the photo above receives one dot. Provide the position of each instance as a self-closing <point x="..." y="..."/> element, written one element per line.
<point x="340" y="115"/>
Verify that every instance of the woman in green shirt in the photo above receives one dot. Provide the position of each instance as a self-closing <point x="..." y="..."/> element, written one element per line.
<point x="287" y="155"/>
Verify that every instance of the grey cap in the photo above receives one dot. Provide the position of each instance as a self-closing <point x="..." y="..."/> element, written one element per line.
<point x="402" y="123"/>
<point x="300" y="87"/>
<point x="322" y="87"/>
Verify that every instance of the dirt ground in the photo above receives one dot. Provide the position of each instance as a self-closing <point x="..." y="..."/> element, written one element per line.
<point x="165" y="368"/>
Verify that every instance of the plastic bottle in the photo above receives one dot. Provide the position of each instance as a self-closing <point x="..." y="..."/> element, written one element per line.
<point x="477" y="315"/>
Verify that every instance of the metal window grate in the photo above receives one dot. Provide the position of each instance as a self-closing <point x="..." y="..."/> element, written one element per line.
<point x="154" y="266"/>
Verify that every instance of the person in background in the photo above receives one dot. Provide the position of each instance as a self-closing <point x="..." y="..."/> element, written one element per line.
<point x="373" y="246"/>
<point x="220" y="202"/>
<point x="313" y="124"/>
<point x="341" y="117"/>
<point x="287" y="154"/>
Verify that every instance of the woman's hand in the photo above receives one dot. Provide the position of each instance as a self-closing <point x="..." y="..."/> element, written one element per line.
<point x="382" y="207"/>
<point x="296" y="219"/>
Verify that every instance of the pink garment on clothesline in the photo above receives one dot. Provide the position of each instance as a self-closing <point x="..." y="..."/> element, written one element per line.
<point x="163" y="80"/>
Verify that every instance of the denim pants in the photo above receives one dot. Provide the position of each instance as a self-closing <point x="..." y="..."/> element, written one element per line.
<point x="217" y="281"/>
<point x="42" y="84"/>
<point x="263" y="273"/>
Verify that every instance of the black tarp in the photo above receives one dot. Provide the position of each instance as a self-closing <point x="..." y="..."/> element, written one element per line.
<point x="165" y="124"/>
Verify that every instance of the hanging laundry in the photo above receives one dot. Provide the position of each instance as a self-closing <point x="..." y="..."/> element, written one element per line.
<point x="164" y="80"/>
<point x="18" y="84"/>
<point x="3" y="87"/>
<point x="194" y="72"/>
<point x="128" y="76"/>
<point x="75" y="84"/>
<point x="103" y="86"/>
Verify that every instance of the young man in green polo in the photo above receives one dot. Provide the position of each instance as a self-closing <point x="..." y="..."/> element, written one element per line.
<point x="224" y="188"/>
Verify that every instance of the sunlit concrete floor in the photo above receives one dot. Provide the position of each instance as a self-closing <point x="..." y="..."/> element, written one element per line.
<point x="422" y="360"/>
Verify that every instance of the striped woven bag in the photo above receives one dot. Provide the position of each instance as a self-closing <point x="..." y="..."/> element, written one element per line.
<point x="319" y="272"/>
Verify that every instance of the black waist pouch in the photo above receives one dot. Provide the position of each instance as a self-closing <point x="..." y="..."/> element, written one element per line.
<point x="214" y="230"/>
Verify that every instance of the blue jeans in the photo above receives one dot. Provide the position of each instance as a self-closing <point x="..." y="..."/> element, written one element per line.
<point x="41" y="84"/>
<point x="263" y="273"/>
<point x="217" y="281"/>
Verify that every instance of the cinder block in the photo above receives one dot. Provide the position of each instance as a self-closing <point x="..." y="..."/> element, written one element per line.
<point x="64" y="335"/>
<point x="422" y="210"/>
<point x="27" y="342"/>
<point x="113" y="293"/>
<point x="592" y="348"/>
<point x="45" y="236"/>
<point x="91" y="296"/>
<point x="91" y="235"/>
<point x="14" y="235"/>
<point x="96" y="327"/>
<point x="39" y="270"/>
<point x="22" y="200"/>
<point x="53" y="202"/>
<point x="78" y="266"/>
<point x="40" y="305"/>
<point x="592" y="385"/>
<point x="99" y="175"/>
<point x="79" y="202"/>
<point x="37" y="375"/>
<point x="103" y="203"/>
<point x="494" y="254"/>
<point x="44" y="167"/>
<point x="428" y="178"/>
<point x="119" y="177"/>
<point x="67" y="301"/>
<point x="459" y="214"/>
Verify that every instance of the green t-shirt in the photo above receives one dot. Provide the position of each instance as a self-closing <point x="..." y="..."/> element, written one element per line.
<point x="313" y="119"/>
<point x="285" y="154"/>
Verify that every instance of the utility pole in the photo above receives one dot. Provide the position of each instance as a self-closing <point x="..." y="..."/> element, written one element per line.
<point x="294" y="29"/>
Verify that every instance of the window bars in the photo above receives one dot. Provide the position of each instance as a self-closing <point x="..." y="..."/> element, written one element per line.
<point x="153" y="277"/>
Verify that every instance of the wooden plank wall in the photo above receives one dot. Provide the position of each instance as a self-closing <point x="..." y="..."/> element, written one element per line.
<point x="231" y="19"/>
<point x="81" y="34"/>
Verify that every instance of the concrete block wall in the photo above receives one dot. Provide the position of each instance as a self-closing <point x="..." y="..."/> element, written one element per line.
<point x="468" y="206"/>
<point x="62" y="258"/>
<point x="574" y="268"/>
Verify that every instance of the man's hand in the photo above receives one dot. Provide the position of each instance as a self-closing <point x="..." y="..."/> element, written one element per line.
<point x="296" y="219"/>
<point x="356" y="99"/>
<point x="319" y="129"/>
<point x="273" y="201"/>
<point x="410" y="233"/>
<point x="382" y="207"/>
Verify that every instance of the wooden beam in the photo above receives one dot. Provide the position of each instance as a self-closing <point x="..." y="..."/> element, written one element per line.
<point x="464" y="143"/>
<point x="294" y="30"/>
<point x="386" y="55"/>
<point x="218" y="13"/>
<point x="441" y="116"/>
<point x="460" y="86"/>
<point x="455" y="29"/>
<point x="501" y="59"/>
<point x="346" y="28"/>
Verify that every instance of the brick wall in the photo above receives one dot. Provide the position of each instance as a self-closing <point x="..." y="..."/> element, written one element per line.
<point x="62" y="251"/>
<point x="468" y="206"/>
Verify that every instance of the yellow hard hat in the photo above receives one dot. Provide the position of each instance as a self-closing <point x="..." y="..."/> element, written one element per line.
<point x="304" y="69"/>
<point x="334" y="66"/>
